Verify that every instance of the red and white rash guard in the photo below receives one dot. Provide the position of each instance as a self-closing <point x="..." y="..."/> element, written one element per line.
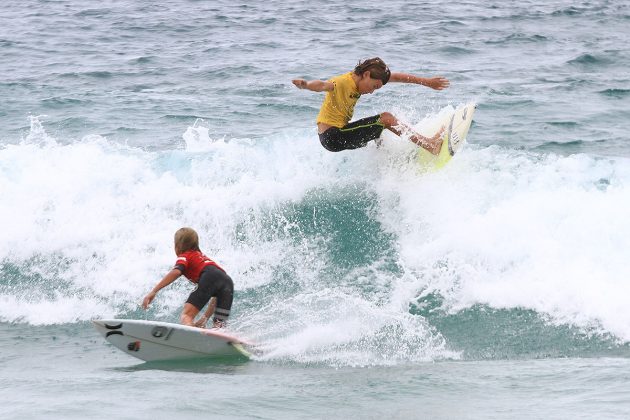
<point x="191" y="263"/>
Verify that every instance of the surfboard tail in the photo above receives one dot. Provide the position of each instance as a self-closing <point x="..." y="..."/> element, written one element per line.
<point x="457" y="125"/>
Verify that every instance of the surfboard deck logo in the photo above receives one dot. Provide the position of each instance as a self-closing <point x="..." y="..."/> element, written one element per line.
<point x="159" y="332"/>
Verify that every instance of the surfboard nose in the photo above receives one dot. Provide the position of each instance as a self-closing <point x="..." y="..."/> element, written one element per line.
<point x="99" y="325"/>
<point x="103" y="326"/>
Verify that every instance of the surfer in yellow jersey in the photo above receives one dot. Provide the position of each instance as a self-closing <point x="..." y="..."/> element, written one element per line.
<point x="336" y="133"/>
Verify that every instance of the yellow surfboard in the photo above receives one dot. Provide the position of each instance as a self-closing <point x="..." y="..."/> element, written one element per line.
<point x="457" y="124"/>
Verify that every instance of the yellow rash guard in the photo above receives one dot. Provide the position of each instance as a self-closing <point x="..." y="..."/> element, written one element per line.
<point x="339" y="103"/>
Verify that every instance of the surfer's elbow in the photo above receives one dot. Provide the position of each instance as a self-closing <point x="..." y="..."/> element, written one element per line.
<point x="320" y="86"/>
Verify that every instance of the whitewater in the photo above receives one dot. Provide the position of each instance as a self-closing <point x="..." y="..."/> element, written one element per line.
<point x="494" y="288"/>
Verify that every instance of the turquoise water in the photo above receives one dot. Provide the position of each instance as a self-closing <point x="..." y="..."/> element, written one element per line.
<point x="496" y="288"/>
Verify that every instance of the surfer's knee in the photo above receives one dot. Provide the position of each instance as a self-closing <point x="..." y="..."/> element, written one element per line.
<point x="388" y="119"/>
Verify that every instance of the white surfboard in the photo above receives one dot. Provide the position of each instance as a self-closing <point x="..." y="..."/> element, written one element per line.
<point x="456" y="125"/>
<point x="153" y="340"/>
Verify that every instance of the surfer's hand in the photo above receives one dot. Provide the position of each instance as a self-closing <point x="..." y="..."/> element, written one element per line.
<point x="438" y="83"/>
<point x="300" y="83"/>
<point x="147" y="300"/>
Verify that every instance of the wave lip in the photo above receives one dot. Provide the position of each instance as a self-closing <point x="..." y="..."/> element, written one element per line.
<point x="616" y="93"/>
<point x="590" y="60"/>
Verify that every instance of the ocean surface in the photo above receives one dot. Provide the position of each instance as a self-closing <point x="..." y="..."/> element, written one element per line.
<point x="497" y="288"/>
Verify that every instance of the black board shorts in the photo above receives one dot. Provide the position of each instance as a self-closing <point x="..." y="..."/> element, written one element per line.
<point x="352" y="136"/>
<point x="213" y="282"/>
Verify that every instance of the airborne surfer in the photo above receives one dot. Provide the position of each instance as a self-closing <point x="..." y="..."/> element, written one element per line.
<point x="337" y="133"/>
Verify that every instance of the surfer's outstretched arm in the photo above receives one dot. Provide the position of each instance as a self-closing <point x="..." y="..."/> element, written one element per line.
<point x="169" y="278"/>
<point x="314" y="85"/>
<point x="437" y="83"/>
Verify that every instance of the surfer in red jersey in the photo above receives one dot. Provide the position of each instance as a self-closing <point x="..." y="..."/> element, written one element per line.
<point x="213" y="283"/>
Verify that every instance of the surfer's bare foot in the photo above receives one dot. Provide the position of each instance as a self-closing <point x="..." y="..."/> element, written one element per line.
<point x="201" y="322"/>
<point x="432" y="144"/>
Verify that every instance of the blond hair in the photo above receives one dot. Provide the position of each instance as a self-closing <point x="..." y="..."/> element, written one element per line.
<point x="186" y="239"/>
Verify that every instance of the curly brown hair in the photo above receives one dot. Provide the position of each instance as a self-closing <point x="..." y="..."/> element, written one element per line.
<point x="377" y="68"/>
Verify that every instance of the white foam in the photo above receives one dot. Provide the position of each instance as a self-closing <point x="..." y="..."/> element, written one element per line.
<point x="107" y="213"/>
<point x="89" y="226"/>
<point x="339" y="327"/>
<point x="514" y="229"/>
